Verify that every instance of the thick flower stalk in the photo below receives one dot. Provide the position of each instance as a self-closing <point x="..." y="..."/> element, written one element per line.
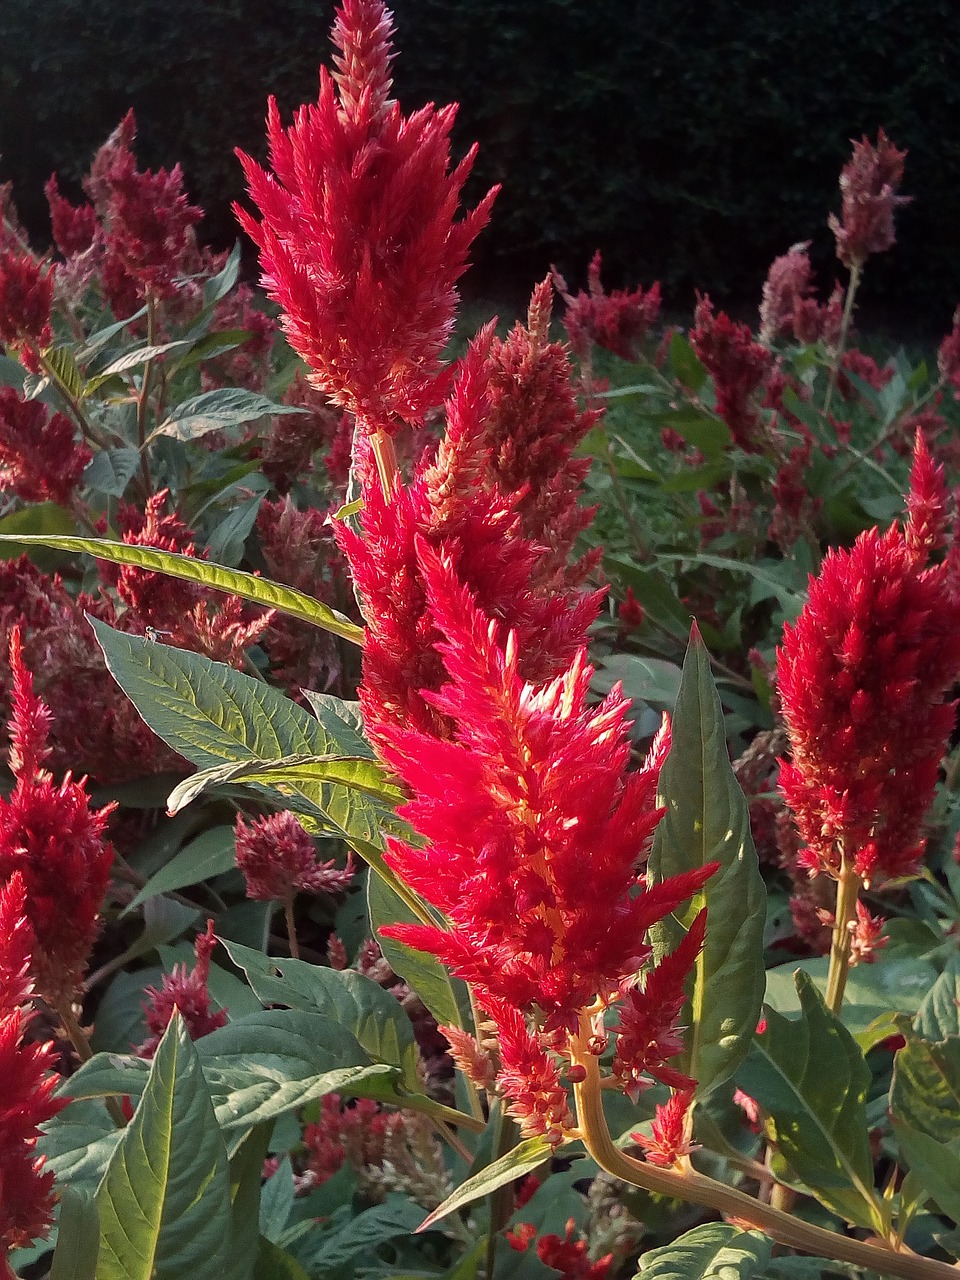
<point x="26" y="1085"/>
<point x="862" y="676"/>
<point x="534" y="838"/>
<point x="51" y="837"/>
<point x="358" y="236"/>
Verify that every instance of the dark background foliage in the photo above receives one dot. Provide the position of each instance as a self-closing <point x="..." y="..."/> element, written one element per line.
<point x="690" y="140"/>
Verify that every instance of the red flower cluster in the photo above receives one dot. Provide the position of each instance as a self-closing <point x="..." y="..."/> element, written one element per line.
<point x="187" y="992"/>
<point x="740" y="368"/>
<point x="563" y="1254"/>
<point x="26" y="1084"/>
<point x="667" y="1141"/>
<point x="868" y="187"/>
<point x="617" y="321"/>
<point x="26" y="296"/>
<point x="277" y="856"/>
<point x="358" y="237"/>
<point x="39" y="458"/>
<point x="789" y="307"/>
<point x="861" y="677"/>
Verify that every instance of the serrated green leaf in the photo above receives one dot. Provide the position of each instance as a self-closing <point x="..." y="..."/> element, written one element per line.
<point x="812" y="1080"/>
<point x="714" y="1251"/>
<point x="445" y="996"/>
<point x="524" y="1158"/>
<point x="360" y="1005"/>
<point x="215" y="410"/>
<point x="707" y="819"/>
<point x="935" y="1165"/>
<point x="111" y="470"/>
<point x="925" y="1093"/>
<point x="210" y="854"/>
<point x="361" y="773"/>
<point x="78" y="1236"/>
<point x="272" y="595"/>
<point x="165" y="1198"/>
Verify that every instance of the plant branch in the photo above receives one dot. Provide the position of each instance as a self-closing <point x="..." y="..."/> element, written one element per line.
<point x="78" y="1038"/>
<point x="697" y="1188"/>
<point x="842" y="339"/>
<point x="143" y="399"/>
<point x="848" y="890"/>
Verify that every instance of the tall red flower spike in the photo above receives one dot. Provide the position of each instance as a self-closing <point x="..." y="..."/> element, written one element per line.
<point x="187" y="991"/>
<point x="739" y="366"/>
<point x="26" y="1084"/>
<point x="40" y="461"/>
<point x="533" y="828"/>
<point x="358" y="239"/>
<point x="868" y="187"/>
<point x="52" y="838"/>
<point x="618" y="321"/>
<point x="26" y="296"/>
<point x="862" y="677"/>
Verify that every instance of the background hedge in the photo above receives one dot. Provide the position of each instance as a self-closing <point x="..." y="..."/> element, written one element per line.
<point x="691" y="140"/>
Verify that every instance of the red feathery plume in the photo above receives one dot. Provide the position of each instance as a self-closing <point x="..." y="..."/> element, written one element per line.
<point x="39" y="458"/>
<point x="533" y="829"/>
<point x="358" y="239"/>
<point x="861" y="677"/>
<point x="868" y="186"/>
<point x="618" y="321"/>
<point x="789" y="308"/>
<point x="26" y="296"/>
<point x="739" y="367"/>
<point x="187" y="991"/>
<point x="667" y="1143"/>
<point x="26" y="1083"/>
<point x="51" y="836"/>
<point x="74" y="227"/>
<point x="277" y="856"/>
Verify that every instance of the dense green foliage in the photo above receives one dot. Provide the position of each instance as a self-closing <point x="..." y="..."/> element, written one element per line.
<point x="691" y="141"/>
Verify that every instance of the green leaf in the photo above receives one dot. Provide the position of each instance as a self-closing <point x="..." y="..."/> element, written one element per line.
<point x="78" y="1236"/>
<point x="397" y="1216"/>
<point x="131" y="359"/>
<point x="935" y="1166"/>
<point x="12" y="373"/>
<point x="654" y="591"/>
<point x="358" y="1004"/>
<point x="891" y="985"/>
<point x="211" y="345"/>
<point x="39" y="518"/>
<point x="715" y="1251"/>
<point x="66" y="374"/>
<point x="111" y="470"/>
<point x="165" y="1198"/>
<point x="524" y="1158"/>
<point x="226" y="542"/>
<point x="704" y="431"/>
<point x="78" y="1143"/>
<point x="685" y="364"/>
<point x="216" y="410"/>
<point x="211" y="854"/>
<point x="812" y="1081"/>
<point x="361" y="773"/>
<point x="707" y="820"/>
<point x="214" y="715"/>
<point x="272" y="595"/>
<point x="219" y="286"/>
<point x="98" y="340"/>
<point x="652" y="680"/>
<point x="939" y="1015"/>
<point x="774" y="586"/>
<point x="274" y="1263"/>
<point x="246" y="1176"/>
<point x="925" y="1093"/>
<point x="445" y="996"/>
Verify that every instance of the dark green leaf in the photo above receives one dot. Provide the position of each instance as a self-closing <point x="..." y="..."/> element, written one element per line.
<point x="707" y="820"/>
<point x="652" y="680"/>
<point x="812" y="1080"/>
<point x="219" y="286"/>
<point x="704" y="431"/>
<point x="274" y="1263"/>
<point x="210" y="854"/>
<point x="165" y="1198"/>
<point x="939" y="1014"/>
<point x="110" y="471"/>
<point x="935" y="1166"/>
<point x="397" y="1216"/>
<point x="524" y="1158"/>
<point x="246" y="1176"/>
<point x="226" y="542"/>
<point x="715" y="1251"/>
<point x="79" y="1142"/>
<point x="139" y="355"/>
<point x="925" y="1093"/>
<point x="685" y="364"/>
<point x="891" y="985"/>
<point x="39" y="518"/>
<point x="78" y="1236"/>
<point x="98" y="340"/>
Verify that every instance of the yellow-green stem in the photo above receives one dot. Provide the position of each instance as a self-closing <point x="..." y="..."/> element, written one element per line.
<point x="143" y="399"/>
<point x="842" y="339"/>
<point x="848" y="890"/>
<point x="78" y="1038"/>
<point x="699" y="1189"/>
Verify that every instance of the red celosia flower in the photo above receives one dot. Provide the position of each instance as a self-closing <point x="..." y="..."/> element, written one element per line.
<point x="249" y="364"/>
<point x="26" y="1084"/>
<point x="750" y="1109"/>
<point x="948" y="357"/>
<point x="50" y="835"/>
<point x="648" y="1036"/>
<point x="617" y="321"/>
<point x="865" y="368"/>
<point x="358" y="240"/>
<point x="868" y="186"/>
<point x="569" y="1257"/>
<point x="26" y="295"/>
<point x="187" y="992"/>
<point x="667" y="1142"/>
<point x="631" y="612"/>
<point x="529" y="1077"/>
<point x="292" y="439"/>
<point x="739" y="367"/>
<point x="470" y="1057"/>
<point x="530" y="791"/>
<point x="277" y="856"/>
<point x="74" y="227"/>
<point x="788" y="306"/>
<point x="39" y="458"/>
<point x="862" y="676"/>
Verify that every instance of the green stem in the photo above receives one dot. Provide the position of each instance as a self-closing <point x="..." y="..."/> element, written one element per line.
<point x="89" y="431"/>
<point x="143" y="400"/>
<point x="291" y="923"/>
<point x="78" y="1038"/>
<point x="501" y="1200"/>
<point x="842" y="339"/>
<point x="697" y="1188"/>
<point x="848" y="890"/>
